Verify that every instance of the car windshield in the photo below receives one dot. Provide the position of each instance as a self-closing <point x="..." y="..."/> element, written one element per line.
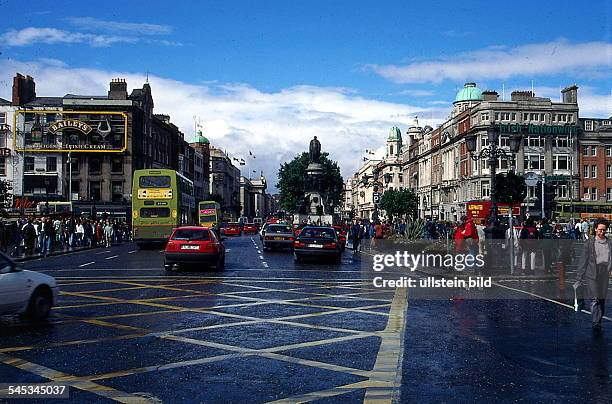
<point x="318" y="233"/>
<point x="191" y="234"/>
<point x="279" y="229"/>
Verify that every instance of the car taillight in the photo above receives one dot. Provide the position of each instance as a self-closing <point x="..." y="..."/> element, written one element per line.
<point x="171" y="246"/>
<point x="329" y="245"/>
<point x="298" y="244"/>
<point x="210" y="247"/>
<point x="290" y="238"/>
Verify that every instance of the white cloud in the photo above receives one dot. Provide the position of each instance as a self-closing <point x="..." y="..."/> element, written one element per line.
<point x="590" y="103"/>
<point x="94" y="24"/>
<point x="32" y="35"/>
<point x="557" y="57"/>
<point x="275" y="126"/>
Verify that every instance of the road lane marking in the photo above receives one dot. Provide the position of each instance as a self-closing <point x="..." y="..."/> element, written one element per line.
<point x="55" y="375"/>
<point x="111" y="257"/>
<point x="88" y="263"/>
<point x="265" y="264"/>
<point x="102" y="252"/>
<point x="547" y="299"/>
<point x="261" y="257"/>
<point x="384" y="385"/>
<point x="132" y="252"/>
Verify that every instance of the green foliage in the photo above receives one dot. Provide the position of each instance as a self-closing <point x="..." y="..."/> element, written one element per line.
<point x="291" y="177"/>
<point x="415" y="229"/>
<point x="510" y="188"/>
<point x="5" y="194"/>
<point x="399" y="202"/>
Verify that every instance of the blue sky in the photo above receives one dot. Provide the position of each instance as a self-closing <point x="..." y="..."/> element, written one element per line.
<point x="274" y="73"/>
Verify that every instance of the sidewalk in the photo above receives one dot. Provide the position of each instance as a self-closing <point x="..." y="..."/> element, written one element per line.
<point x="63" y="251"/>
<point x="388" y="246"/>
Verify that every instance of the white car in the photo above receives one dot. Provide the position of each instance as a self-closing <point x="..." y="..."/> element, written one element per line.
<point x="25" y="292"/>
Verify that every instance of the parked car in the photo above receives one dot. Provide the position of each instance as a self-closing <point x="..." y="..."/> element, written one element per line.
<point x="232" y="229"/>
<point x="250" y="228"/>
<point x="317" y="242"/>
<point x="278" y="236"/>
<point x="341" y="236"/>
<point x="194" y="245"/>
<point x="25" y="292"/>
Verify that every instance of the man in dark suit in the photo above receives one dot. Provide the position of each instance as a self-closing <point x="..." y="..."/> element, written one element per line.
<point x="596" y="267"/>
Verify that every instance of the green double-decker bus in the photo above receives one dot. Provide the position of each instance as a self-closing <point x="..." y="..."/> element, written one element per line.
<point x="161" y="200"/>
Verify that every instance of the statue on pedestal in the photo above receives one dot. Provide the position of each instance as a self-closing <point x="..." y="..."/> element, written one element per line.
<point x="315" y="151"/>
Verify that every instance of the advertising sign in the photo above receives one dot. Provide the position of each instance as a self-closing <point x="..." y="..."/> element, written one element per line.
<point x="154" y="193"/>
<point x="67" y="131"/>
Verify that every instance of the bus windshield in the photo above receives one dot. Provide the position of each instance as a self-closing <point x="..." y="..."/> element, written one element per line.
<point x="153" y="181"/>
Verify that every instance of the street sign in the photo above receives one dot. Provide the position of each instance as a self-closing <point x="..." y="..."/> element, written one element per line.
<point x="531" y="179"/>
<point x="376" y="197"/>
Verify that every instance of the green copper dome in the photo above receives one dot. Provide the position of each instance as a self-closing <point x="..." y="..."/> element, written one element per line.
<point x="469" y="92"/>
<point x="395" y="133"/>
<point x="201" y="139"/>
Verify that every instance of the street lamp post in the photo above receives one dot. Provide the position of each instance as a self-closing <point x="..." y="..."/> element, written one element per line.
<point x="375" y="184"/>
<point x="493" y="153"/>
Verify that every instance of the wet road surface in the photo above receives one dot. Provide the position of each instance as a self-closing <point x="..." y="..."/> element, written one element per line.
<point x="267" y="329"/>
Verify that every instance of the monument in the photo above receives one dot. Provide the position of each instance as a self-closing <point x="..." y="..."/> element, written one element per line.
<point x="313" y="208"/>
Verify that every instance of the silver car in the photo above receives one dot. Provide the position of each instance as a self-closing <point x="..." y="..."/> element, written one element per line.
<point x="25" y="292"/>
<point x="278" y="236"/>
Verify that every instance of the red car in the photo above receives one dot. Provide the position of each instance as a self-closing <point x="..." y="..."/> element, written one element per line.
<point x="232" y="229"/>
<point x="194" y="245"/>
<point x="341" y="236"/>
<point x="250" y="228"/>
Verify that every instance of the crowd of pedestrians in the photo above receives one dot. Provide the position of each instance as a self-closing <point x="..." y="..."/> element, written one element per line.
<point x="28" y="236"/>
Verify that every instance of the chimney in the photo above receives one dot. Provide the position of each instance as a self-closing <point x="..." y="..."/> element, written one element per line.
<point x="24" y="89"/>
<point x="522" y="95"/>
<point x="118" y="90"/>
<point x="570" y="94"/>
<point x="490" y="95"/>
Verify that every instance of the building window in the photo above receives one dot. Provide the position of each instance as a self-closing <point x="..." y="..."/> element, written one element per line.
<point x="561" y="163"/>
<point x="3" y="138"/>
<point x="484" y="141"/>
<point x="2" y="166"/>
<point x="534" y="162"/>
<point x="593" y="194"/>
<point x="486" y="189"/>
<point x="51" y="164"/>
<point x="609" y="194"/>
<point x="76" y="187"/>
<point x="561" y="191"/>
<point x="75" y="165"/>
<point x="95" y="165"/>
<point x="28" y="164"/>
<point x="588" y="125"/>
<point x="117" y="191"/>
<point x="561" y="142"/>
<point x="593" y="150"/>
<point x="534" y="141"/>
<point x="585" y="150"/>
<point x="585" y="171"/>
<point x="593" y="171"/>
<point x="532" y="192"/>
<point x="513" y="116"/>
<point x="94" y="190"/>
<point x="609" y="171"/>
<point x="608" y="151"/>
<point x="117" y="165"/>
<point x="391" y="149"/>
<point x="504" y="141"/>
<point x="484" y="116"/>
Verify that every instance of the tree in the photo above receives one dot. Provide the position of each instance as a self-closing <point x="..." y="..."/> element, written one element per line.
<point x="291" y="177"/>
<point x="399" y="202"/>
<point x="509" y="188"/>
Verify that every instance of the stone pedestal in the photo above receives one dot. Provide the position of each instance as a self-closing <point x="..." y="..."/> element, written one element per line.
<point x="314" y="175"/>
